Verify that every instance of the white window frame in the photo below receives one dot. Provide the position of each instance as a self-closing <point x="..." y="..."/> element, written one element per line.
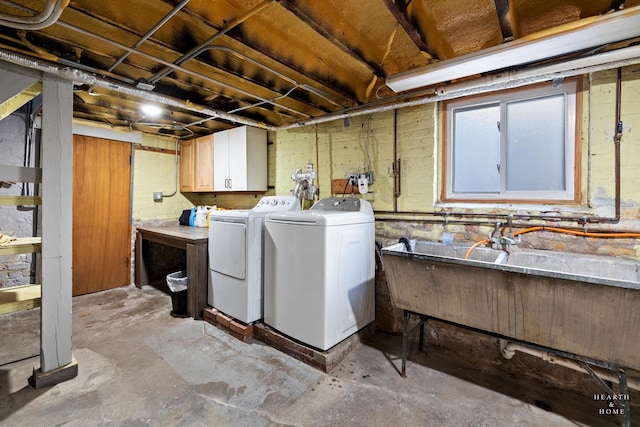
<point x="571" y="90"/>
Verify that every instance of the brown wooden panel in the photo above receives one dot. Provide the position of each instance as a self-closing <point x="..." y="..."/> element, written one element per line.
<point x="101" y="209"/>
<point x="341" y="186"/>
<point x="204" y="163"/>
<point x="187" y="165"/>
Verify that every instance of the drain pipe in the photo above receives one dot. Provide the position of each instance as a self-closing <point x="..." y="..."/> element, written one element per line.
<point x="508" y="350"/>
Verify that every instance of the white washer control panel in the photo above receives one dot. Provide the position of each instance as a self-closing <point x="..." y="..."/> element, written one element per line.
<point x="337" y="204"/>
<point x="277" y="204"/>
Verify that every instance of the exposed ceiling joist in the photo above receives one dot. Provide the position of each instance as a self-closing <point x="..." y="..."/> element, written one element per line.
<point x="269" y="63"/>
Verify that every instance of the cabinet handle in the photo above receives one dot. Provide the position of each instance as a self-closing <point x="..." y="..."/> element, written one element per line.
<point x="230" y="185"/>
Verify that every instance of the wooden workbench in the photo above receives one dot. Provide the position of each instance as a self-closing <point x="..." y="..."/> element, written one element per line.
<point x="192" y="239"/>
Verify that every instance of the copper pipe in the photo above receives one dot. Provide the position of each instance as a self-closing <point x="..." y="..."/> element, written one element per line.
<point x="488" y="222"/>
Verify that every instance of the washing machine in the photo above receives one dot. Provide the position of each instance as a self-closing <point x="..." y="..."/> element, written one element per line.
<point x="319" y="284"/>
<point x="236" y="241"/>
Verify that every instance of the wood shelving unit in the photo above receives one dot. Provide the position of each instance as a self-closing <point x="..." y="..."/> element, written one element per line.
<point x="21" y="245"/>
<point x="18" y="298"/>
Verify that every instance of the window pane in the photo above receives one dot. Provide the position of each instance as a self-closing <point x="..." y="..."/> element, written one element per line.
<point x="476" y="149"/>
<point x="535" y="144"/>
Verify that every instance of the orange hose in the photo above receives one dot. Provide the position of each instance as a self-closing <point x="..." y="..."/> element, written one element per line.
<point x="481" y="242"/>
<point x="558" y="230"/>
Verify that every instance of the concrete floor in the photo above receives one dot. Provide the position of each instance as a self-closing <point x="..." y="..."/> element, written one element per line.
<point x="138" y="366"/>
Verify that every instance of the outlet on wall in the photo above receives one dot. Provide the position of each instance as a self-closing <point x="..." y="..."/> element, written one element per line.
<point x="353" y="178"/>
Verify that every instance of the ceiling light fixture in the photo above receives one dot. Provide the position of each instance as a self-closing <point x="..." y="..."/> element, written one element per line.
<point x="573" y="37"/>
<point x="151" y="110"/>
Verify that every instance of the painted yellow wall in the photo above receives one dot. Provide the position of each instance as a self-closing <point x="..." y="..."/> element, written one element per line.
<point x="337" y="150"/>
<point x="340" y="151"/>
<point x="601" y="131"/>
<point x="156" y="171"/>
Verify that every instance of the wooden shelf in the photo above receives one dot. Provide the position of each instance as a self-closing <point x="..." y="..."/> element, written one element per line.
<point x="22" y="245"/>
<point x="18" y="298"/>
<point x="20" y="200"/>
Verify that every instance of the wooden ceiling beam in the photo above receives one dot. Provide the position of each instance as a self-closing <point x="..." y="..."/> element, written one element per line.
<point x="293" y="71"/>
<point x="292" y="7"/>
<point x="398" y="9"/>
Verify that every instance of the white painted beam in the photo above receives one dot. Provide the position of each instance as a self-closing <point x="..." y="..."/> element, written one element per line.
<point x="57" y="198"/>
<point x="15" y="81"/>
<point x="20" y="174"/>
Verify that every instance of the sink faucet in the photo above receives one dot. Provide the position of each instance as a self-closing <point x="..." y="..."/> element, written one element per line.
<point x="503" y="242"/>
<point x="506" y="242"/>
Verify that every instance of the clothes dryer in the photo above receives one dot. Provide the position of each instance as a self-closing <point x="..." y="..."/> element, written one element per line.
<point x="236" y="240"/>
<point x="320" y="271"/>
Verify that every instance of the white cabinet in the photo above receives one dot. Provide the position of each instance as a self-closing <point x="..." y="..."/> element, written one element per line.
<point x="240" y="159"/>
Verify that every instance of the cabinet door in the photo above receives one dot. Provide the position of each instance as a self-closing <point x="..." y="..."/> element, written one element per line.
<point x="204" y="164"/>
<point x="221" y="161"/>
<point x="238" y="159"/>
<point x="187" y="165"/>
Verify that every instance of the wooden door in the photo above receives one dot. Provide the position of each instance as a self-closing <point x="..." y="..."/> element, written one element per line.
<point x="101" y="214"/>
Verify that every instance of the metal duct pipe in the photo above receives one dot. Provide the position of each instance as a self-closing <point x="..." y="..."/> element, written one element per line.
<point x="78" y="76"/>
<point x="169" y="67"/>
<point x="48" y="16"/>
<point x="178" y="67"/>
<point x="604" y="61"/>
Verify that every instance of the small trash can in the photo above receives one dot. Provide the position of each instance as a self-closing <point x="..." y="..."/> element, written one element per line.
<point x="177" y="283"/>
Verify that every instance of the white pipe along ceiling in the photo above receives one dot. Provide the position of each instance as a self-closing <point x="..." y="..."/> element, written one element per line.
<point x="281" y="64"/>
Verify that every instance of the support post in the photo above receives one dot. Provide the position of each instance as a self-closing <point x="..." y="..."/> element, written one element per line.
<point x="56" y="361"/>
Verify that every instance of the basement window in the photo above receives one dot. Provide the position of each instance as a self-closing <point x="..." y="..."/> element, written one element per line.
<point x="517" y="145"/>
